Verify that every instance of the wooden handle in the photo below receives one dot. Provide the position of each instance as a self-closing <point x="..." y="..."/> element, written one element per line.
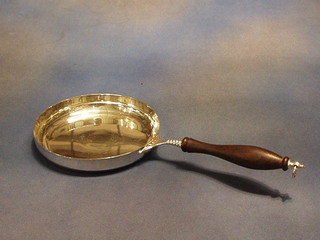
<point x="243" y="155"/>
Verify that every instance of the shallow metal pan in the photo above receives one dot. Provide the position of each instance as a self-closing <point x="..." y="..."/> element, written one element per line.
<point x="98" y="132"/>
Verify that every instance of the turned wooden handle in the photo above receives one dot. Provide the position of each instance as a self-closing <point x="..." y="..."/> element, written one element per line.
<point x="243" y="155"/>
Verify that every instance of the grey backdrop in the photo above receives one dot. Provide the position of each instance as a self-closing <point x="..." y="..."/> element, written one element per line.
<point x="226" y="72"/>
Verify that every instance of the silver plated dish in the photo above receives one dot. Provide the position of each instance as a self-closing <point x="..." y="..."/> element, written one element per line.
<point x="97" y="132"/>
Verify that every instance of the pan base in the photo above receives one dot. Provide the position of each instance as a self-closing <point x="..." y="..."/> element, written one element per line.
<point x="92" y="141"/>
<point x="96" y="130"/>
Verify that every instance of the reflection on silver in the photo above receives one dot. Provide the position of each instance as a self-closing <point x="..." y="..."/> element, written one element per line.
<point x="97" y="131"/>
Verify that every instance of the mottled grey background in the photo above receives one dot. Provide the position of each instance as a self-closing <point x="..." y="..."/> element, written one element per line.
<point x="229" y="72"/>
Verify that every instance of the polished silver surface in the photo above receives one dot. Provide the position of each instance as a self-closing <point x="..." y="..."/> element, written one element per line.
<point x="97" y="132"/>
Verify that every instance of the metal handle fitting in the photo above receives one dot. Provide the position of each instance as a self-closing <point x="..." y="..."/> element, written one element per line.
<point x="296" y="165"/>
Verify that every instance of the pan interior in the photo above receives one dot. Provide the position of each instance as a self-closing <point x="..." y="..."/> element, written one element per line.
<point x="96" y="126"/>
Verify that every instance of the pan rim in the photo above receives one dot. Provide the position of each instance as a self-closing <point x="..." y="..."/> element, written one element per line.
<point x="44" y="148"/>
